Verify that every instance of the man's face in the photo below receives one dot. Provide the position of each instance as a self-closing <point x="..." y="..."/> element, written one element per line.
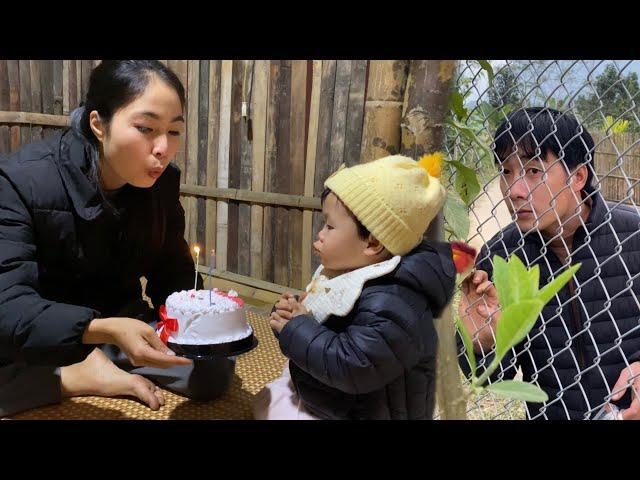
<point x="540" y="192"/>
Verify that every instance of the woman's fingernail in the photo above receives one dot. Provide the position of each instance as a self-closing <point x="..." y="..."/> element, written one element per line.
<point x="170" y="352"/>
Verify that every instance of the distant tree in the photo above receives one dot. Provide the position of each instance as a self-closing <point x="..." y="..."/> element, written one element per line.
<point x="504" y="90"/>
<point x="615" y="95"/>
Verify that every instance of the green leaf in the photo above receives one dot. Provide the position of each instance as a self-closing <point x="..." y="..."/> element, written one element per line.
<point x="457" y="105"/>
<point x="621" y="127"/>
<point x="466" y="182"/>
<point x="517" y="390"/>
<point x="468" y="345"/>
<point x="492" y="114"/>
<point x="515" y="322"/>
<point x="549" y="290"/>
<point x="462" y="129"/>
<point x="456" y="216"/>
<point x="533" y="281"/>
<point x="486" y="66"/>
<point x="513" y="281"/>
<point x="468" y="133"/>
<point x="616" y="126"/>
<point x="524" y="282"/>
<point x="608" y="122"/>
<point x="507" y="294"/>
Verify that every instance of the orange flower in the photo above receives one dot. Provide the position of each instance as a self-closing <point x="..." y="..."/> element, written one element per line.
<point x="432" y="163"/>
<point x="464" y="256"/>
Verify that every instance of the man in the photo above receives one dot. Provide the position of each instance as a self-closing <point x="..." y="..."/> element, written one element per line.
<point x="584" y="350"/>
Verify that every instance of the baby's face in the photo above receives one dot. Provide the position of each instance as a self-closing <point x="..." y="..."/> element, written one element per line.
<point x="338" y="245"/>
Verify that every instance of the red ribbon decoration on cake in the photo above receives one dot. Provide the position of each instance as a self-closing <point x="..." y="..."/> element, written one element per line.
<point x="237" y="300"/>
<point x="166" y="324"/>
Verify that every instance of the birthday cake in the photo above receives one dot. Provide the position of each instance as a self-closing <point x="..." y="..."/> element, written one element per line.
<point x="204" y="318"/>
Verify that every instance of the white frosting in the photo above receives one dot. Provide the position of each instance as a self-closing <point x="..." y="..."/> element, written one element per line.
<point x="205" y="322"/>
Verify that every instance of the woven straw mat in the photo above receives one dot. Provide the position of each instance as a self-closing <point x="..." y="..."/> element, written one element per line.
<point x="253" y="371"/>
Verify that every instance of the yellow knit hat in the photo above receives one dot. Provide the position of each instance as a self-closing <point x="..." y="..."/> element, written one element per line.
<point x="394" y="197"/>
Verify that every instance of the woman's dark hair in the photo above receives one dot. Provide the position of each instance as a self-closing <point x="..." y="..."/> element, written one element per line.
<point x="363" y="233"/>
<point x="547" y="129"/>
<point x="113" y="85"/>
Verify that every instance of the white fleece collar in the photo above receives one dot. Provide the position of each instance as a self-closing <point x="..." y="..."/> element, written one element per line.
<point x="338" y="295"/>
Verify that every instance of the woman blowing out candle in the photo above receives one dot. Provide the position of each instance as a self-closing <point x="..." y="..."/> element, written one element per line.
<point x="83" y="215"/>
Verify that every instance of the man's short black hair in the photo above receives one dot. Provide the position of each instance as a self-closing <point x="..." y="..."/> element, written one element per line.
<point x="551" y="131"/>
<point x="363" y="233"/>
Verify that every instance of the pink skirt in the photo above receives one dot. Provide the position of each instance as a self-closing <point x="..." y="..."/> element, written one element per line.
<point x="278" y="400"/>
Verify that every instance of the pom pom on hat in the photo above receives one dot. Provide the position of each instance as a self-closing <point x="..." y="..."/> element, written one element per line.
<point x="432" y="163"/>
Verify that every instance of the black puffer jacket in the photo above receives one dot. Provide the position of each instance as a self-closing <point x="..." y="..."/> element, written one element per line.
<point x="379" y="361"/>
<point x="602" y="317"/>
<point x="65" y="258"/>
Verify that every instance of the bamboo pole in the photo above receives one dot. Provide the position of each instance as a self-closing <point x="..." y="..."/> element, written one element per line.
<point x="355" y="113"/>
<point x="58" y="87"/>
<point x="427" y="105"/>
<point x="13" y="70"/>
<point x="65" y="87"/>
<point x="296" y="165"/>
<point x="281" y="228"/>
<point x="383" y="108"/>
<point x="25" y="98"/>
<point x="324" y="138"/>
<point x="246" y="175"/>
<point x="72" y="85"/>
<point x="258" y="117"/>
<point x="36" y="96"/>
<point x="235" y="146"/>
<point x="271" y="157"/>
<point x="310" y="170"/>
<point x="5" y="132"/>
<point x="203" y="147"/>
<point x="212" y="154"/>
<point x="223" y="162"/>
<point x="191" y="159"/>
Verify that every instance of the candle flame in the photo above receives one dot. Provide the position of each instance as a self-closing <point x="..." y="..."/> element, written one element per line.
<point x="196" y="249"/>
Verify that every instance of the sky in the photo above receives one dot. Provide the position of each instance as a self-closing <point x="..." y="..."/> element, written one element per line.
<point x="578" y="78"/>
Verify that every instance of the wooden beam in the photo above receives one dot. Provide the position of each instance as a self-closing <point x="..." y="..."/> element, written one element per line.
<point x="267" y="198"/>
<point x="35" y="119"/>
<point x="248" y="281"/>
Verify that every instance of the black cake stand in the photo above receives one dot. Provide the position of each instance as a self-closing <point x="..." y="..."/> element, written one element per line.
<point x="216" y="350"/>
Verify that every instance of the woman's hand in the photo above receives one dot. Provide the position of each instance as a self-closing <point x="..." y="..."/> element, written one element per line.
<point x="136" y="339"/>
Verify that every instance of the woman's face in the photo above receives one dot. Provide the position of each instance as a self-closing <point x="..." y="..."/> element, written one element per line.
<point x="142" y="138"/>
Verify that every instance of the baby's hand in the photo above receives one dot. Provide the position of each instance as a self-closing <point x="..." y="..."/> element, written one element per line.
<point x="286" y="309"/>
<point x="278" y="321"/>
<point x="283" y="303"/>
<point x="296" y="306"/>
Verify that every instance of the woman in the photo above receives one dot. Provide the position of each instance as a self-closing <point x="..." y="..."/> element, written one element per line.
<point x="83" y="215"/>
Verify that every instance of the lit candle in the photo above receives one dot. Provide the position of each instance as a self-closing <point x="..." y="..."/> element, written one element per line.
<point x="195" y="277"/>
<point x="211" y="262"/>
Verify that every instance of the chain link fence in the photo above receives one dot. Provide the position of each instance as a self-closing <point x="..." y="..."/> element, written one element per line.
<point x="589" y="335"/>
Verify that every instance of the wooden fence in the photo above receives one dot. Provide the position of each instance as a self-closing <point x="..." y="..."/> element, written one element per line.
<point x="617" y="162"/>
